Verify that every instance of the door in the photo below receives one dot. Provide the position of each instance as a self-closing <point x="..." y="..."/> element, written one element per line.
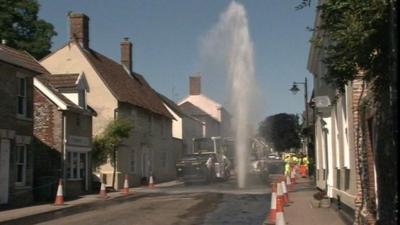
<point x="145" y="162"/>
<point x="4" y="170"/>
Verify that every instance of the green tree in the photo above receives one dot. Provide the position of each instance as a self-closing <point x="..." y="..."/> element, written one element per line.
<point x="281" y="131"/>
<point x="105" y="145"/>
<point x="360" y="38"/>
<point x="22" y="29"/>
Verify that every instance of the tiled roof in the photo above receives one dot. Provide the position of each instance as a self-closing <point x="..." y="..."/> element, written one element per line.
<point x="171" y="104"/>
<point x="194" y="111"/>
<point x="64" y="80"/>
<point x="21" y="59"/>
<point x="127" y="88"/>
<point x="45" y="80"/>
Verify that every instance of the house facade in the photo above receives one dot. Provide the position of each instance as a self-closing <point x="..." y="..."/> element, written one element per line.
<point x="63" y="135"/>
<point x="17" y="70"/>
<point x="216" y="119"/>
<point x="115" y="91"/>
<point x="184" y="127"/>
<point x="335" y="130"/>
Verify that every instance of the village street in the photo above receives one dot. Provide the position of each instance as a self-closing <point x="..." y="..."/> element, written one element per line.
<point x="217" y="203"/>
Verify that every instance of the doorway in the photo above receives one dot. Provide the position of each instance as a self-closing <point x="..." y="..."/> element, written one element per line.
<point x="146" y="162"/>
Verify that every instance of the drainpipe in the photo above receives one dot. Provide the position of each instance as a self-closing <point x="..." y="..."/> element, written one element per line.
<point x="63" y="149"/>
<point x="115" y="154"/>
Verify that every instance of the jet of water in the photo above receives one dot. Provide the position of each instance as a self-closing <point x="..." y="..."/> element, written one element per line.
<point x="229" y="44"/>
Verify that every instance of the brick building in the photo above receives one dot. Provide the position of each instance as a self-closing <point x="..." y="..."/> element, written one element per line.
<point x="17" y="70"/>
<point x="63" y="132"/>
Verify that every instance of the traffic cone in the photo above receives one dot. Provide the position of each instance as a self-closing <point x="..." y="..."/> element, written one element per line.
<point x="60" y="196"/>
<point x="279" y="197"/>
<point x="125" y="190"/>
<point x="272" y="213"/>
<point x="280" y="219"/>
<point x="285" y="192"/>
<point x="151" y="182"/>
<point x="103" y="192"/>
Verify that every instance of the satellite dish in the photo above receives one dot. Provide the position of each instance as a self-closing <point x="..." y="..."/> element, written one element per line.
<point x="321" y="101"/>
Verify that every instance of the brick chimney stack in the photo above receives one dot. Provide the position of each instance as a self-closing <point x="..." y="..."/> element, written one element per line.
<point x="195" y="85"/>
<point x="79" y="28"/>
<point x="126" y="54"/>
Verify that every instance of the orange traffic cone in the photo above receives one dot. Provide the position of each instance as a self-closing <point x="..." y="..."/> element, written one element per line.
<point x="59" y="197"/>
<point x="125" y="190"/>
<point x="272" y="213"/>
<point x="285" y="192"/>
<point x="280" y="219"/>
<point x="280" y="202"/>
<point x="103" y="192"/>
<point x="151" y="182"/>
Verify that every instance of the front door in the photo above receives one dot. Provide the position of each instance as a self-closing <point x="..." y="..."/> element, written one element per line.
<point x="4" y="170"/>
<point x="146" y="163"/>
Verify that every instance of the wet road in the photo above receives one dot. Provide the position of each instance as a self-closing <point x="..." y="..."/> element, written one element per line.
<point x="220" y="203"/>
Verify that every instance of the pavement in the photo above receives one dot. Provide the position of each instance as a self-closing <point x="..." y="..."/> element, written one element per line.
<point x="300" y="210"/>
<point x="37" y="213"/>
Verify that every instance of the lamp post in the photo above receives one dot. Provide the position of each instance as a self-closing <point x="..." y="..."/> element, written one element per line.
<point x="294" y="90"/>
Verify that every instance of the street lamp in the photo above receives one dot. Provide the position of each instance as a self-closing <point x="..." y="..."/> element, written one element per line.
<point x="294" y="89"/>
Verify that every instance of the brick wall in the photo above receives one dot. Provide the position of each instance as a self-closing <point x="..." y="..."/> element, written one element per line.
<point x="45" y="115"/>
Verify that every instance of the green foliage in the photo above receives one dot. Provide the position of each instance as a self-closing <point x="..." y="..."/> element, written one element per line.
<point x="104" y="144"/>
<point x="355" y="37"/>
<point x="22" y="29"/>
<point x="281" y="131"/>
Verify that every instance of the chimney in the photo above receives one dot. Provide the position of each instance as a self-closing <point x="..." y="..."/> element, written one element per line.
<point x="79" y="28"/>
<point x="195" y="85"/>
<point x="126" y="54"/>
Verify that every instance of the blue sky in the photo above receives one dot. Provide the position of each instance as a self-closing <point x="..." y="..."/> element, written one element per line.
<point x="166" y="36"/>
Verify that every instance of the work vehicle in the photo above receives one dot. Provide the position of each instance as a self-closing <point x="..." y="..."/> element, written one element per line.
<point x="209" y="161"/>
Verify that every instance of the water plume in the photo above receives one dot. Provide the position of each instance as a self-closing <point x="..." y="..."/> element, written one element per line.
<point x="229" y="48"/>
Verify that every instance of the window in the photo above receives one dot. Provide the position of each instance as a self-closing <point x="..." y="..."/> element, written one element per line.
<point x="346" y="179"/>
<point x="21" y="105"/>
<point x="21" y="165"/>
<point x="338" y="178"/>
<point x="75" y="165"/>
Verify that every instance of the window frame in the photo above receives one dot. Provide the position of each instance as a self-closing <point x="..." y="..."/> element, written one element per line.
<point x="24" y="165"/>
<point x="24" y="97"/>
<point x="69" y="168"/>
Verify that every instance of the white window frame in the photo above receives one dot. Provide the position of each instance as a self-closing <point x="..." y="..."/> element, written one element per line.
<point x="24" y="163"/>
<point x="23" y="96"/>
<point x="70" y="176"/>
